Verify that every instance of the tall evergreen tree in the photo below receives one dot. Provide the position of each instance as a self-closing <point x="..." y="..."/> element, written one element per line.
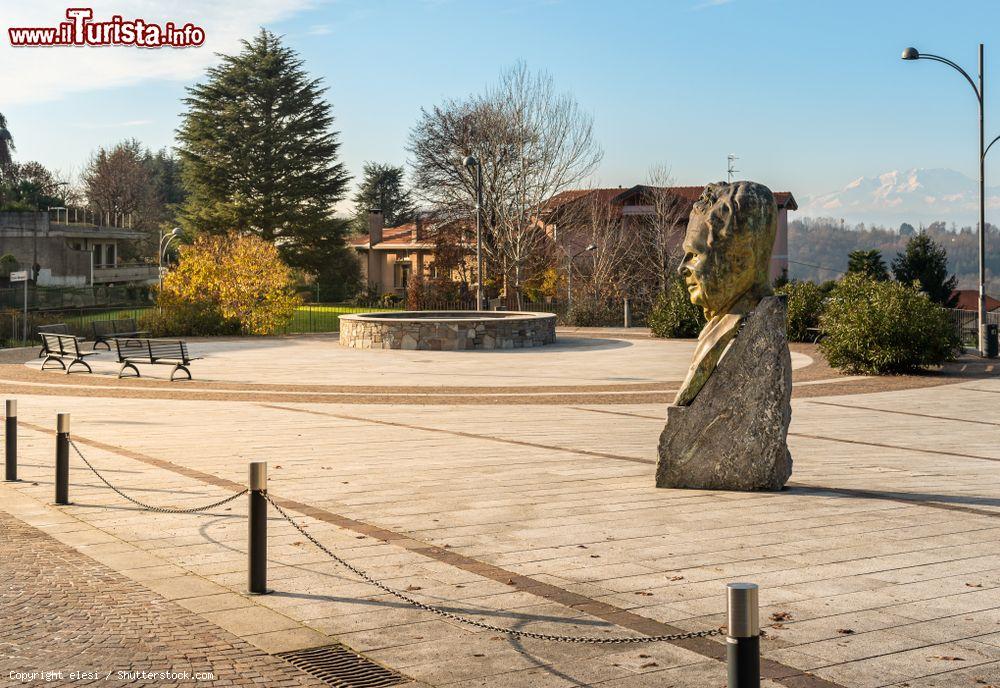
<point x="868" y="263"/>
<point x="383" y="186"/>
<point x="6" y="145"/>
<point x="260" y="156"/>
<point x="926" y="262"/>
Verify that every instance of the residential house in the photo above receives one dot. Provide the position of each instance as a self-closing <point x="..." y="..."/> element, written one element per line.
<point x="390" y="256"/>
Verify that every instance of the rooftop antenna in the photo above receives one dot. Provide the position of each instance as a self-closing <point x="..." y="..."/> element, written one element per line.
<point x="731" y="169"/>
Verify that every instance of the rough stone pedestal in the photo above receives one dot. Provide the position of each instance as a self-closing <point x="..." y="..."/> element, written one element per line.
<point x="733" y="435"/>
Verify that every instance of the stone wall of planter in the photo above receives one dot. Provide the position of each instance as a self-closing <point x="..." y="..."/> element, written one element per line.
<point x="430" y="331"/>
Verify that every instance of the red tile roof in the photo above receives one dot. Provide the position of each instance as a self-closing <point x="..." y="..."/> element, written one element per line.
<point x="968" y="300"/>
<point x="402" y="237"/>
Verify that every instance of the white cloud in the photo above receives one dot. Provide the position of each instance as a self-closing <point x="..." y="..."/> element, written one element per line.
<point x="40" y="74"/>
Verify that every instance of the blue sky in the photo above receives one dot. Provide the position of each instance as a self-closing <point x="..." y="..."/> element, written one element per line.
<point x="809" y="94"/>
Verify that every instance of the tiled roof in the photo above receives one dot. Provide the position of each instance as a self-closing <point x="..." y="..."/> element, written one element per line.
<point x="968" y="300"/>
<point x="402" y="237"/>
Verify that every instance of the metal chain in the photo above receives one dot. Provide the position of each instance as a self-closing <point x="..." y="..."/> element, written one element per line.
<point x="479" y="624"/>
<point x="150" y="507"/>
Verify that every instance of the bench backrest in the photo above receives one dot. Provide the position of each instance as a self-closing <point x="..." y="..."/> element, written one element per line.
<point x="124" y="326"/>
<point x="61" y="344"/>
<point x="169" y="349"/>
<point x="153" y="350"/>
<point x="103" y="328"/>
<point x="55" y="328"/>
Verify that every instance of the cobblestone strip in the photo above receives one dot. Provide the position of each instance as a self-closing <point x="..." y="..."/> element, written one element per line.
<point x="63" y="612"/>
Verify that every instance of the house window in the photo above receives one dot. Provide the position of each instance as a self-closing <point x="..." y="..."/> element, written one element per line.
<point x="401" y="274"/>
<point x="109" y="255"/>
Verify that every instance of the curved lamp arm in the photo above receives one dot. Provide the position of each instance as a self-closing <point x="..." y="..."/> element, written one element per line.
<point x="944" y="60"/>
<point x="990" y="146"/>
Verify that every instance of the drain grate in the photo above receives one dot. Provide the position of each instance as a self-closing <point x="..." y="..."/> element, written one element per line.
<point x="337" y="666"/>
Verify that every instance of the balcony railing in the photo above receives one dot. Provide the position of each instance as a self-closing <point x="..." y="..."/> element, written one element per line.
<point x="125" y="273"/>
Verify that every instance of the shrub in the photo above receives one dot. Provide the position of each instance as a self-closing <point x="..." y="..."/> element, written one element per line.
<point x="226" y="285"/>
<point x="805" y="306"/>
<point x="884" y="327"/>
<point x="594" y="313"/>
<point x="435" y="293"/>
<point x="673" y="314"/>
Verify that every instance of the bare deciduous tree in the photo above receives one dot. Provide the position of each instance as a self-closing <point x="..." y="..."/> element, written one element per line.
<point x="661" y="232"/>
<point x="531" y="142"/>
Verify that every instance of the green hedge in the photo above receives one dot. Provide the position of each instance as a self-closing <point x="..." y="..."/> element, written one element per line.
<point x="878" y="328"/>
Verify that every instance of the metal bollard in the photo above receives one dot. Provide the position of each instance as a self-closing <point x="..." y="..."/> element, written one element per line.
<point x="10" y="441"/>
<point x="62" y="458"/>
<point x="257" y="517"/>
<point x="743" y="636"/>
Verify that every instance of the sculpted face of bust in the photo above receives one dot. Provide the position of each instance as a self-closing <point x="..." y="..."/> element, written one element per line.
<point x="727" y="252"/>
<point x="727" y="247"/>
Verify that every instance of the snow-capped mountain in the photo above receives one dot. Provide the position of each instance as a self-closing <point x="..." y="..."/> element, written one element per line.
<point x="915" y="196"/>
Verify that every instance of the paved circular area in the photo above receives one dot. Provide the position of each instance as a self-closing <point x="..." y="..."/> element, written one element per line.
<point x="317" y="360"/>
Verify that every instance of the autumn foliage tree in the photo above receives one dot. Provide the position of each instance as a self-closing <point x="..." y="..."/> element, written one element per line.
<point x="226" y="284"/>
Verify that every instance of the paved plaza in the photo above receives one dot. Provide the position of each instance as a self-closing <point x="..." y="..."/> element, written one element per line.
<point x="515" y="488"/>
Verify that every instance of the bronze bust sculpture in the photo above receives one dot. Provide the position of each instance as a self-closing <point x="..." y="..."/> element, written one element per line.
<point x="728" y="424"/>
<point x="727" y="251"/>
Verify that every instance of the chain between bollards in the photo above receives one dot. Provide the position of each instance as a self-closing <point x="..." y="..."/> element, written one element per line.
<point x="257" y="536"/>
<point x="10" y="440"/>
<point x="743" y="635"/>
<point x="62" y="458"/>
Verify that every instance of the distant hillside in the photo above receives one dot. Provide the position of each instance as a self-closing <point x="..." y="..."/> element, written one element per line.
<point x="818" y="248"/>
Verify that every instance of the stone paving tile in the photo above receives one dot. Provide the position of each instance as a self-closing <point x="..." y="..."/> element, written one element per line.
<point x="105" y="623"/>
<point x="581" y="479"/>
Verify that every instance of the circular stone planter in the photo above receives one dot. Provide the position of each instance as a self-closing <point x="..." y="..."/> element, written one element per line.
<point x="447" y="330"/>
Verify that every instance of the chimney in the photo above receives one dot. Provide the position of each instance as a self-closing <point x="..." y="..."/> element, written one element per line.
<point x="418" y="234"/>
<point x="375" y="224"/>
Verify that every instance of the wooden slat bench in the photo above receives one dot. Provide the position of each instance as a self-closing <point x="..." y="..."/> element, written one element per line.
<point x="125" y="328"/>
<point x="132" y="350"/>
<point x="55" y="328"/>
<point x="65" y="347"/>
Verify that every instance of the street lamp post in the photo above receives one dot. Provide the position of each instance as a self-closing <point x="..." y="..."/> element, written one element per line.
<point x="470" y="162"/>
<point x="569" y="273"/>
<point x="914" y="54"/>
<point x="165" y="240"/>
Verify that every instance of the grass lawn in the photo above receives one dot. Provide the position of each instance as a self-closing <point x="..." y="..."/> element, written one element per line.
<point x="325" y="317"/>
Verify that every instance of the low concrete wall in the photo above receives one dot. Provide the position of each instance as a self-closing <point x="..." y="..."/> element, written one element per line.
<point x="447" y="330"/>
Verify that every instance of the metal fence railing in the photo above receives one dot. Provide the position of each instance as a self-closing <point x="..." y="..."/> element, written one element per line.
<point x="311" y="318"/>
<point x="967" y="324"/>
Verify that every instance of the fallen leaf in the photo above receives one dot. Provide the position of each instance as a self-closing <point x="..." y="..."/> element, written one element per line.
<point x="676" y="578"/>
<point x="478" y="654"/>
<point x="846" y="631"/>
<point x="781" y="616"/>
<point x="510" y="581"/>
<point x="582" y="546"/>
<point x="595" y="556"/>
<point x="648" y="665"/>
<point x="645" y="594"/>
<point x="777" y="625"/>
<point x="948" y="658"/>
<point x="411" y="588"/>
<point x="644" y="656"/>
<point x="973" y="585"/>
